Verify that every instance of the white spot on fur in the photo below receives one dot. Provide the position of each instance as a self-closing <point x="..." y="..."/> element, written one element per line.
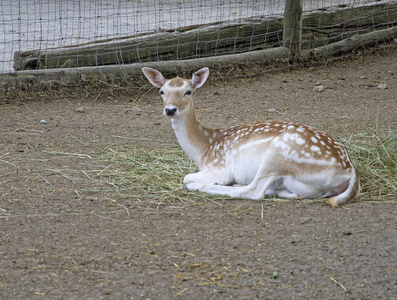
<point x="300" y="141"/>
<point x="286" y="137"/>
<point x="314" y="148"/>
<point x="290" y="136"/>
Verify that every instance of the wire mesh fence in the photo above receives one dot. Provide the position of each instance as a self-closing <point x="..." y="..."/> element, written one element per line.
<point x="52" y="34"/>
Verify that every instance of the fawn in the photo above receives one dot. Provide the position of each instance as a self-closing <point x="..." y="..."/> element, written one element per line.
<point x="284" y="159"/>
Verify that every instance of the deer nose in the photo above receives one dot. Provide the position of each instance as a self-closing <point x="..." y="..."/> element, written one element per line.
<point x="170" y="111"/>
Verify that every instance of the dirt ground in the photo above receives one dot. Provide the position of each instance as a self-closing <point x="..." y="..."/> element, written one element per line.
<point x="59" y="241"/>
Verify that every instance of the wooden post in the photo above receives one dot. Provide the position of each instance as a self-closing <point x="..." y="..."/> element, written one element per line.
<point x="292" y="27"/>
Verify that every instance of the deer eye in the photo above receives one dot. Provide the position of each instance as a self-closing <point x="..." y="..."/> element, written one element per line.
<point x="188" y="93"/>
<point x="162" y="93"/>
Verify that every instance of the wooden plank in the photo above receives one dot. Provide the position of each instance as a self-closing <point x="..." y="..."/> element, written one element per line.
<point x="354" y="42"/>
<point x="54" y="77"/>
<point x="334" y="24"/>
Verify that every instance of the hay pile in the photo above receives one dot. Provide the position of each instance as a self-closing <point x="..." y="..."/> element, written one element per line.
<point x="375" y="156"/>
<point x="157" y="174"/>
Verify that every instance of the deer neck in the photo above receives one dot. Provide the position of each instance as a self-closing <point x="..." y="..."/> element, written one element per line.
<point x="192" y="136"/>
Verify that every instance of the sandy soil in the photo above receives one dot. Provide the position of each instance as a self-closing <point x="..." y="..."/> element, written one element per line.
<point x="60" y="241"/>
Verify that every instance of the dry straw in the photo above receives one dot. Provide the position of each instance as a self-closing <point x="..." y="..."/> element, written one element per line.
<point x="375" y="156"/>
<point x="146" y="174"/>
<point x="157" y="174"/>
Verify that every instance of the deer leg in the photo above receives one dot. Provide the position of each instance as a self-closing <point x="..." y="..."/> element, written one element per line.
<point x="207" y="176"/>
<point x="255" y="190"/>
<point x="286" y="194"/>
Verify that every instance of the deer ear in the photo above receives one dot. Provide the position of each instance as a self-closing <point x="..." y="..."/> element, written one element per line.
<point x="200" y="77"/>
<point x="154" y="76"/>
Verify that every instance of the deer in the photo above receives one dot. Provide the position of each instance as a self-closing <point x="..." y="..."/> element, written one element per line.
<point x="253" y="160"/>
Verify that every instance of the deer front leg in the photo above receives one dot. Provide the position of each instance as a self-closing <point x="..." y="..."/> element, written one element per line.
<point x="207" y="176"/>
<point x="255" y="190"/>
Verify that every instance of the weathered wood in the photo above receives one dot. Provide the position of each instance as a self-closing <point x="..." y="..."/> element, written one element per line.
<point x="292" y="27"/>
<point x="54" y="77"/>
<point x="319" y="29"/>
<point x="349" y="44"/>
<point x="335" y="24"/>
